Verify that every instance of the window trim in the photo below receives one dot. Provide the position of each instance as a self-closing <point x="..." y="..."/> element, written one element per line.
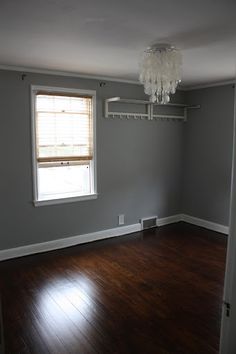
<point x="34" y="89"/>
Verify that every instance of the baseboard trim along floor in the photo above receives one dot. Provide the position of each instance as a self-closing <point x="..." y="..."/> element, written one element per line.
<point x="205" y="223"/>
<point x="104" y="234"/>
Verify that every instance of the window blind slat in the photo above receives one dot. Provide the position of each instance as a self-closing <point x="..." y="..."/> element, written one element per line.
<point x="63" y="158"/>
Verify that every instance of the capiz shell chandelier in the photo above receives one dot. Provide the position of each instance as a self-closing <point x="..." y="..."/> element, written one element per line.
<point x="160" y="72"/>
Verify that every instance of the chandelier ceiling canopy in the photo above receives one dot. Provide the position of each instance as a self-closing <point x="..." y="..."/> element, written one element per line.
<point x="160" y="72"/>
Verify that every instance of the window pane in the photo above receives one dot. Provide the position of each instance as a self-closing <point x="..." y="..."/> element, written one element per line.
<point x="54" y="103"/>
<point x="63" y="135"/>
<point x="64" y="126"/>
<point x="63" y="181"/>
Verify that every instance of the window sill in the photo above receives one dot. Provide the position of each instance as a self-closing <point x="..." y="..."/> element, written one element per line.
<point x="64" y="200"/>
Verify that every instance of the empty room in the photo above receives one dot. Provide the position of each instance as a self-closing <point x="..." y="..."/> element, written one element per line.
<point x="118" y="190"/>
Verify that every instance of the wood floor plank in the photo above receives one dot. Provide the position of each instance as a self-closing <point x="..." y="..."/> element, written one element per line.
<point x="153" y="292"/>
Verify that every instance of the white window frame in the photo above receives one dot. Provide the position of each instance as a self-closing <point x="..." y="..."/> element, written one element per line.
<point x="92" y="93"/>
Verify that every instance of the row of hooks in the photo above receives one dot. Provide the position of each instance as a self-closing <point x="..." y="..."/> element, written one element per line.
<point x="149" y="115"/>
<point x="143" y="117"/>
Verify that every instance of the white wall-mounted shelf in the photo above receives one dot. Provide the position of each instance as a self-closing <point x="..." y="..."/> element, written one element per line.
<point x="149" y="115"/>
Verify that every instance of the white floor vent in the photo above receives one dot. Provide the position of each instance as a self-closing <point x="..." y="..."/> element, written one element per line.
<point x="148" y="223"/>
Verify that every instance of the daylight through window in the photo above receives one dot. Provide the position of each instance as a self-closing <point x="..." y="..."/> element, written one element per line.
<point x="64" y="145"/>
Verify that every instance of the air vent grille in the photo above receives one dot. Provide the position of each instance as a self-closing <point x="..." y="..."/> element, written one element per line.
<point x="148" y="223"/>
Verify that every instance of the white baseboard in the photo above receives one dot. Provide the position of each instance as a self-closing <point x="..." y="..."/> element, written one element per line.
<point x="195" y="221"/>
<point x="169" y="220"/>
<point x="77" y="240"/>
<point x="67" y="242"/>
<point x="204" y="223"/>
<point x="104" y="234"/>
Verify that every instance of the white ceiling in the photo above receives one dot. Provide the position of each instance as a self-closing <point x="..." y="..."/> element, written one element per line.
<point x="106" y="37"/>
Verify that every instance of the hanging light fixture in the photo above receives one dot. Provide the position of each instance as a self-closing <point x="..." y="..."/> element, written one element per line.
<point x="160" y="72"/>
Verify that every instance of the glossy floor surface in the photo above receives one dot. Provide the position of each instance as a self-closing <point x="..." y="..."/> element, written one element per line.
<point x="157" y="291"/>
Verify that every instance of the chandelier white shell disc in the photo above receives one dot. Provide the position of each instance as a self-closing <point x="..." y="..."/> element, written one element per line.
<point x="160" y="72"/>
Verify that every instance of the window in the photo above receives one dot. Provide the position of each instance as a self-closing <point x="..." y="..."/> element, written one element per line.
<point x="63" y="145"/>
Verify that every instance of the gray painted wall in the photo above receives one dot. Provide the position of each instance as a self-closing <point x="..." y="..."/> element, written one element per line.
<point x="139" y="166"/>
<point x="208" y="141"/>
<point x="144" y="168"/>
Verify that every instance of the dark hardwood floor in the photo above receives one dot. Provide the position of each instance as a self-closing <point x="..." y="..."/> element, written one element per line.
<point x="157" y="291"/>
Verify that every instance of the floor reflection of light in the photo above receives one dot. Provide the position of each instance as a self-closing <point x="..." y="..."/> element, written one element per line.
<point x="63" y="303"/>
